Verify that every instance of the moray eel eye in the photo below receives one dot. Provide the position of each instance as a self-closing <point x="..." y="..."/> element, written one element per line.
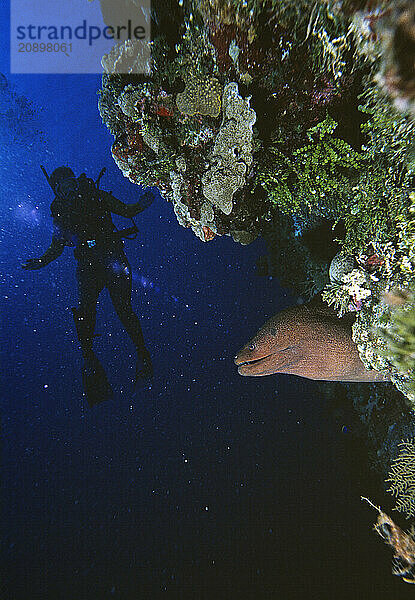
<point x="252" y="347"/>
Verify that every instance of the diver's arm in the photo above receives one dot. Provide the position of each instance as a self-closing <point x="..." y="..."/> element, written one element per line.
<point x="127" y="210"/>
<point x="55" y="249"/>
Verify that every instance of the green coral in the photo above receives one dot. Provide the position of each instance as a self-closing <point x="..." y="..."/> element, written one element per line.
<point x="402" y="478"/>
<point x="316" y="178"/>
<point x="380" y="199"/>
<point x="368" y="191"/>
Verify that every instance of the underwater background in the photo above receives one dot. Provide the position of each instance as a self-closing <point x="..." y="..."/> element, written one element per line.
<point x="204" y="485"/>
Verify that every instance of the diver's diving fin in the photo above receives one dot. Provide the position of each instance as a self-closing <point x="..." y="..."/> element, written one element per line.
<point x="96" y="385"/>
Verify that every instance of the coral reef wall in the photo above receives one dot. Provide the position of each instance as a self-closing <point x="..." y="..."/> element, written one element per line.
<point x="293" y="120"/>
<point x="237" y="81"/>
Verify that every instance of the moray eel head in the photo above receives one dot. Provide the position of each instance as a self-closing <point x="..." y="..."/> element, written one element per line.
<point x="266" y="353"/>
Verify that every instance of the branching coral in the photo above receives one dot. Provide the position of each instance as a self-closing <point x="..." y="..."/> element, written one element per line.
<point x="381" y="198"/>
<point x="402" y="478"/>
<point x="384" y="330"/>
<point x="317" y="177"/>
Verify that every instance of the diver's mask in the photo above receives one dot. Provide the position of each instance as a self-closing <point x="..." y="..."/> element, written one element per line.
<point x="67" y="188"/>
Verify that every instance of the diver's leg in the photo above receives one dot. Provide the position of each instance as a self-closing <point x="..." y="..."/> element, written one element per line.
<point x="89" y="288"/>
<point x="119" y="285"/>
<point x="90" y="284"/>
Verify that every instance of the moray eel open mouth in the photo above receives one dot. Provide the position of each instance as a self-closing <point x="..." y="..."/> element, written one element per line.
<point x="258" y="366"/>
<point x="252" y="362"/>
<point x="265" y="365"/>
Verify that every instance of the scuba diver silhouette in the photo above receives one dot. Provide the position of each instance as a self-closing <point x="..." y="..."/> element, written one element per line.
<point x="81" y="215"/>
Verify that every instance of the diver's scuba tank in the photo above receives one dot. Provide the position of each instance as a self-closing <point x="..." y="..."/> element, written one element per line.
<point x="85" y="187"/>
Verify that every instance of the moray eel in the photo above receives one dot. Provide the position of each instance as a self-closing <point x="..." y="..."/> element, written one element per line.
<point x="309" y="341"/>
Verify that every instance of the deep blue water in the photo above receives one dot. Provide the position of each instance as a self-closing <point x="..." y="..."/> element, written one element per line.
<point x="206" y="485"/>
